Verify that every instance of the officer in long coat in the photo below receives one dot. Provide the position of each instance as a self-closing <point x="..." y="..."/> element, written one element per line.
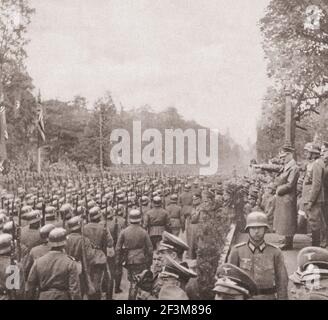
<point x="285" y="212"/>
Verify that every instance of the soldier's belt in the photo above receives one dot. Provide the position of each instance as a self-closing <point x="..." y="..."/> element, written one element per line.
<point x="266" y="291"/>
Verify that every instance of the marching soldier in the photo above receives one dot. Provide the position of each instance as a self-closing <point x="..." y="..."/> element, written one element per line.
<point x="80" y="248"/>
<point x="55" y="275"/>
<point x="50" y="216"/>
<point x="262" y="261"/>
<point x="96" y="234"/>
<point x="285" y="213"/>
<point x="233" y="284"/>
<point x="186" y="203"/>
<point x="313" y="191"/>
<point x="134" y="249"/>
<point x="194" y="226"/>
<point x="5" y="262"/>
<point x="196" y="202"/>
<point x="40" y="250"/>
<point x="30" y="235"/>
<point x="116" y="223"/>
<point x="177" y="219"/>
<point x="156" y="221"/>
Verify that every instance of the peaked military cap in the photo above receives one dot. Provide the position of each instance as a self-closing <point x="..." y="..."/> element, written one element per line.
<point x="312" y="255"/>
<point x="174" y="269"/>
<point x="239" y="278"/>
<point x="170" y="241"/>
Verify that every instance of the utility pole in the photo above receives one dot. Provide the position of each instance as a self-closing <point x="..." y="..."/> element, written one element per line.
<point x="289" y="120"/>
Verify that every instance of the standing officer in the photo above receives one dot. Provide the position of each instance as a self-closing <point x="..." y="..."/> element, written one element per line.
<point x="313" y="191"/>
<point x="134" y="249"/>
<point x="285" y="212"/>
<point x="55" y="274"/>
<point x="177" y="219"/>
<point x="262" y="261"/>
<point x="156" y="221"/>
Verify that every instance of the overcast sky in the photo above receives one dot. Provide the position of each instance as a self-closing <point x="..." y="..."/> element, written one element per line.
<point x="202" y="56"/>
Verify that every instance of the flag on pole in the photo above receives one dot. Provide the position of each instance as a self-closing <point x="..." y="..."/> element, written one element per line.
<point x="3" y="133"/>
<point x="40" y="123"/>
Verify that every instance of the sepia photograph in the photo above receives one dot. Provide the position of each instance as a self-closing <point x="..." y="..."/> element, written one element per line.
<point x="164" y="150"/>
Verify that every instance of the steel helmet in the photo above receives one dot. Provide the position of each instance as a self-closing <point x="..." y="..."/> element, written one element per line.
<point x="256" y="219"/>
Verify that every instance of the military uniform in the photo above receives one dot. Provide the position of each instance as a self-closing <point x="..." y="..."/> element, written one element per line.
<point x="194" y="231"/>
<point x="116" y="224"/>
<point x="55" y="274"/>
<point x="96" y="234"/>
<point x="30" y="235"/>
<point x="177" y="219"/>
<point x="5" y="262"/>
<point x="310" y="278"/>
<point x="313" y="197"/>
<point x="265" y="265"/>
<point x="185" y="201"/>
<point x="134" y="250"/>
<point x="174" y="277"/>
<point x="76" y="247"/>
<point x="156" y="222"/>
<point x="233" y="283"/>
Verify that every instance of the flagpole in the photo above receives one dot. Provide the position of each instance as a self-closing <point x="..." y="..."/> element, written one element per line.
<point x="39" y="154"/>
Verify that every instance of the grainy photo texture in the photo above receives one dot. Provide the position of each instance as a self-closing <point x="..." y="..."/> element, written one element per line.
<point x="163" y="150"/>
